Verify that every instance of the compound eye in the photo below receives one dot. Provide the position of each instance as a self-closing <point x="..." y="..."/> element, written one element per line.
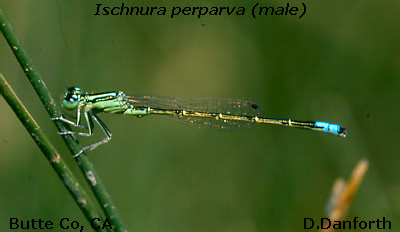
<point x="74" y="90"/>
<point x="71" y="98"/>
<point x="70" y="103"/>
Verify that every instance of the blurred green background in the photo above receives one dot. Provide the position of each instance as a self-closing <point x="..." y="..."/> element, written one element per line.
<point x="338" y="63"/>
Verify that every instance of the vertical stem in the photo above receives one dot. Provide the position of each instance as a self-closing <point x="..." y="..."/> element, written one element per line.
<point x="53" y="110"/>
<point x="52" y="155"/>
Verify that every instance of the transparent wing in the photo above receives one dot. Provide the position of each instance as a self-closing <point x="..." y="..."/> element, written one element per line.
<point x="203" y="105"/>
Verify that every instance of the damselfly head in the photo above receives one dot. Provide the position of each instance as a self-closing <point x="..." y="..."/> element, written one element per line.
<point x="71" y="98"/>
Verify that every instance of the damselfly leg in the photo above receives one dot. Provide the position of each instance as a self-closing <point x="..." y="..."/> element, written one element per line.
<point x="72" y="99"/>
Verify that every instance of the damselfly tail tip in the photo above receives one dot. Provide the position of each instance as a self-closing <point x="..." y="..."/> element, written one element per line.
<point x="342" y="132"/>
<point x="331" y="128"/>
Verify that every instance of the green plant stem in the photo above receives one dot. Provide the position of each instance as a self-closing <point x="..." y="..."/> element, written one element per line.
<point x="52" y="155"/>
<point x="53" y="110"/>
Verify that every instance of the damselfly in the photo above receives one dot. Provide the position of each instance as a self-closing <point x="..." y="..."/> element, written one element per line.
<point x="204" y="112"/>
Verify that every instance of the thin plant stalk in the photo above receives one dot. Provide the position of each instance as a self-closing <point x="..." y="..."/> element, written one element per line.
<point x="52" y="155"/>
<point x="54" y="111"/>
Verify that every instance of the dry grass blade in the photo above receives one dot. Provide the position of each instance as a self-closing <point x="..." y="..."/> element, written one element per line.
<point x="343" y="194"/>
